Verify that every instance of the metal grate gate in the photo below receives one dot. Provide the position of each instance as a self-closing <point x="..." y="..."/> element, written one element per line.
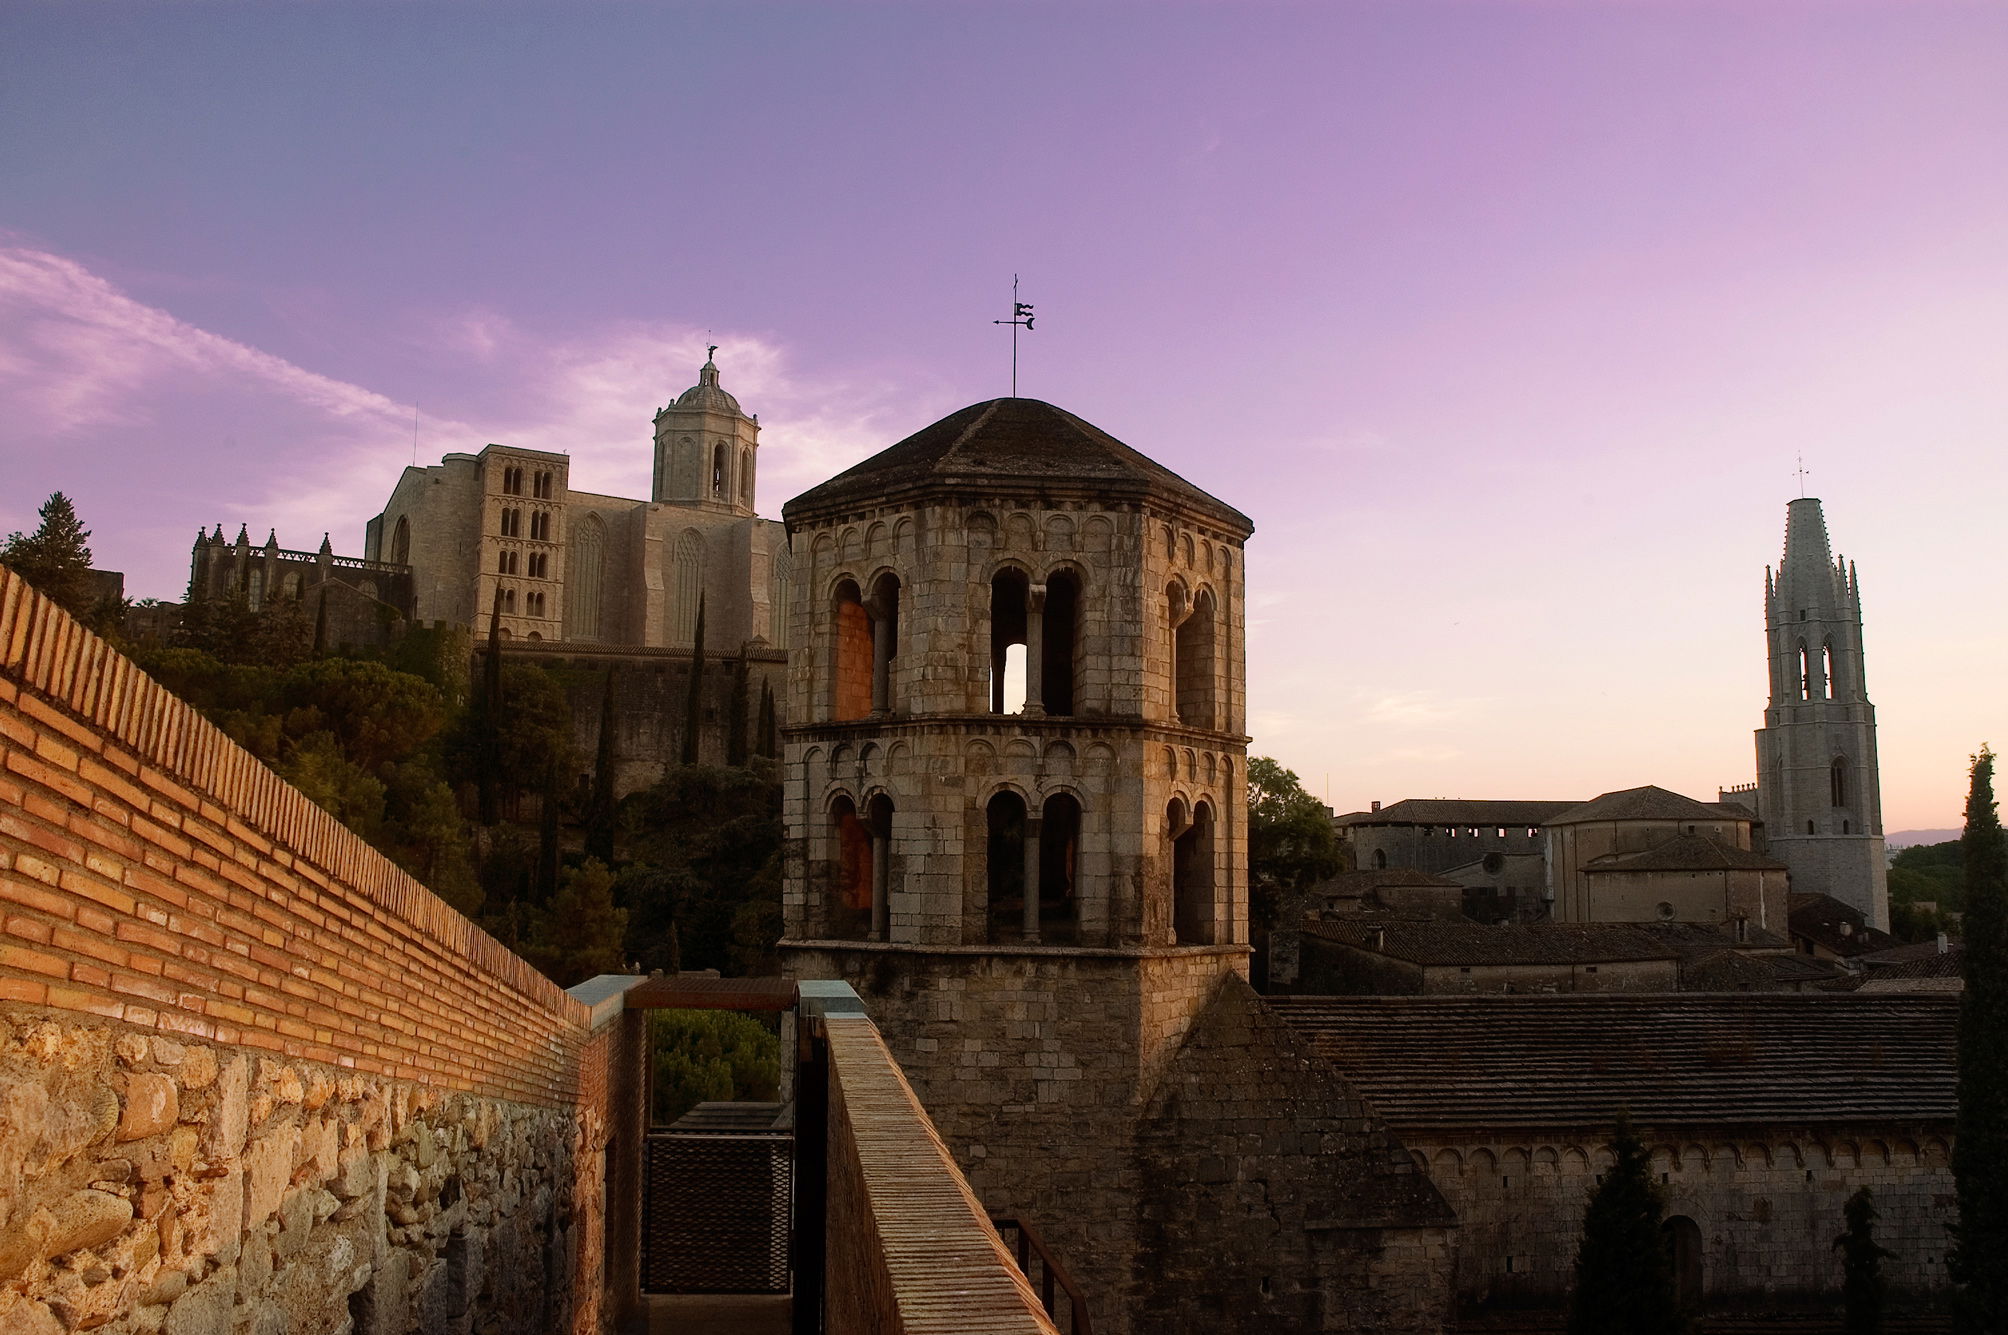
<point x="715" y="1212"/>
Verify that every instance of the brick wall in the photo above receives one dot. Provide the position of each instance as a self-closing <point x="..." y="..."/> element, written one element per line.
<point x="911" y="1249"/>
<point x="161" y="892"/>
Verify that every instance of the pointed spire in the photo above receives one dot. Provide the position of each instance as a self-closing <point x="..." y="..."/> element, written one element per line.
<point x="272" y="540"/>
<point x="326" y="546"/>
<point x="243" y="535"/>
<point x="1807" y="577"/>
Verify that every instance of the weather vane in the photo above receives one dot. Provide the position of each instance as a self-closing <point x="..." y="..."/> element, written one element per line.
<point x="1021" y="314"/>
<point x="1802" y="475"/>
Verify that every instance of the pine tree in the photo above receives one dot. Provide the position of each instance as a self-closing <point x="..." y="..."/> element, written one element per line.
<point x="1979" y="1259"/>
<point x="54" y="558"/>
<point x="693" y="706"/>
<point x="1861" y="1266"/>
<point x="1624" y="1278"/>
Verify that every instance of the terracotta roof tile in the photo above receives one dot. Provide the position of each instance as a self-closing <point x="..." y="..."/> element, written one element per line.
<point x="1670" y="1060"/>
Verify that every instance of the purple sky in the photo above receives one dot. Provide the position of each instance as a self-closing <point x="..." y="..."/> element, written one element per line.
<point x="1504" y="321"/>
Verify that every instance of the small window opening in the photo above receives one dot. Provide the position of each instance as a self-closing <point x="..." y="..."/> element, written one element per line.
<point x="850" y="872"/>
<point x="1059" y="631"/>
<point x="1194" y="668"/>
<point x="1192" y="874"/>
<point x="1010" y="592"/>
<point x="718" y="470"/>
<point x="1837" y="781"/>
<point x="1380" y="859"/>
<point x="1004" y="857"/>
<point x="851" y="690"/>
<point x="883" y="610"/>
<point x="1827" y="673"/>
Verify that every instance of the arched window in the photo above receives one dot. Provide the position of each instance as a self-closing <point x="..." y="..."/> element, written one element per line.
<point x="1059" y="838"/>
<point x="543" y="486"/>
<point x="851" y="658"/>
<point x="1010" y="589"/>
<point x="1380" y="859"/>
<point x="540" y="525"/>
<point x="508" y="602"/>
<point x="1810" y="829"/>
<point x="884" y="611"/>
<point x="1004" y="855"/>
<point x="851" y="878"/>
<point x="687" y="585"/>
<point x="1827" y="666"/>
<point x="718" y="471"/>
<point x="512" y="523"/>
<point x="878" y="822"/>
<point x="1805" y="672"/>
<point x="1059" y="635"/>
<point x="400" y="542"/>
<point x="1194" y="670"/>
<point x="585" y="576"/>
<point x="1837" y="781"/>
<point x="746" y="477"/>
<point x="1192" y="912"/>
<point x="1682" y="1239"/>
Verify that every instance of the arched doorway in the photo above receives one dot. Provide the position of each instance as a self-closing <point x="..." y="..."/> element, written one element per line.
<point x="1682" y="1237"/>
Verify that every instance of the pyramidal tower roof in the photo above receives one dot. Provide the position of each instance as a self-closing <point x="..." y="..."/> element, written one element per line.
<point x="1808" y="577"/>
<point x="1012" y="444"/>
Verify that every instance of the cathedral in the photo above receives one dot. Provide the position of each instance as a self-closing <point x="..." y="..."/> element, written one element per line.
<point x="503" y="532"/>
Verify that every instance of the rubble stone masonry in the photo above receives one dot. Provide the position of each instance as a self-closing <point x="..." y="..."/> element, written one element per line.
<point x="252" y="1076"/>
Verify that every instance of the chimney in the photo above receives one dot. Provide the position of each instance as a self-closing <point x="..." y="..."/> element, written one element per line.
<point x="1375" y="807"/>
<point x="1943" y="944"/>
<point x="1377" y="938"/>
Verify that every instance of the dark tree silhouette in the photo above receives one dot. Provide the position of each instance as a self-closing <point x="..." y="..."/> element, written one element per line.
<point x="1624" y="1278"/>
<point x="1979" y="1259"/>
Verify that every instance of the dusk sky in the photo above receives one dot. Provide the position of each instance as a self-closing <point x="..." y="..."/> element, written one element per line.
<point x="1506" y="322"/>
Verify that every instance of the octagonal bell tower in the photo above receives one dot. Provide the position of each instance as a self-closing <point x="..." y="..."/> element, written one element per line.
<point x="1016" y="788"/>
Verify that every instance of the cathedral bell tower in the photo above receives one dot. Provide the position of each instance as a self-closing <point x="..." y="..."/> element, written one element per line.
<point x="1817" y="781"/>
<point x="705" y="448"/>
<point x="1016" y="791"/>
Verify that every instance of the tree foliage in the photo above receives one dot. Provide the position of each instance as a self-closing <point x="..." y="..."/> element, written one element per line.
<point x="705" y="844"/>
<point x="1624" y="1277"/>
<point x="1979" y="1257"/>
<point x="580" y="933"/>
<point x="56" y="560"/>
<point x="708" y="1057"/>
<point x="1861" y="1266"/>
<point x="1291" y="844"/>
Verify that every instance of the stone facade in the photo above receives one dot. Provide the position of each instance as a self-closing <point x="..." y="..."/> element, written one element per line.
<point x="1038" y="898"/>
<point x="581" y="567"/>
<point x="1766" y="1208"/>
<point x="163" y="1184"/>
<point x="1819" y="788"/>
<point x="353" y="602"/>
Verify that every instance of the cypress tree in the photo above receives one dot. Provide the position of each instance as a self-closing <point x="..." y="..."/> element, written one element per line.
<point x="600" y="819"/>
<point x="693" y="706"/>
<point x="321" y="623"/>
<point x="488" y="741"/>
<point x="735" y="727"/>
<point x="1624" y="1277"/>
<point x="770" y="739"/>
<point x="1979" y="1259"/>
<point x="1861" y="1266"/>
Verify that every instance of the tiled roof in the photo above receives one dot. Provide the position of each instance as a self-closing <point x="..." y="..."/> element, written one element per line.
<point x="1692" y="938"/>
<point x="1670" y="1060"/>
<point x="1647" y="803"/>
<point x="1005" y="441"/>
<point x="1457" y="811"/>
<point x="1952" y="964"/>
<point x="1839" y="927"/>
<point x="1351" y="884"/>
<point x="1686" y="852"/>
<point x="1474" y="943"/>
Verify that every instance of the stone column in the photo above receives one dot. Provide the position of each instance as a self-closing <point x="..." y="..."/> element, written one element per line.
<point x="1035" y="649"/>
<point x="881" y="885"/>
<point x="1032" y="824"/>
<point x="881" y="656"/>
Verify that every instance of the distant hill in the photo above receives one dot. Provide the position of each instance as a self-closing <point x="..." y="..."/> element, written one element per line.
<point x="1912" y="838"/>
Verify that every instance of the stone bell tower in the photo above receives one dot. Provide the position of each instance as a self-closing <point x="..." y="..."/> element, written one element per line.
<point x="1016" y="791"/>
<point x="705" y="449"/>
<point x="1818" y="787"/>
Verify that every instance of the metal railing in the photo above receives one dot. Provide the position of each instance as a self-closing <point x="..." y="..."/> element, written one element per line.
<point x="1051" y="1274"/>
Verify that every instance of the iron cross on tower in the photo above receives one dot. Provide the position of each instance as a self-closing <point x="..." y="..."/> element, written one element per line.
<point x="1021" y="314"/>
<point x="1802" y="470"/>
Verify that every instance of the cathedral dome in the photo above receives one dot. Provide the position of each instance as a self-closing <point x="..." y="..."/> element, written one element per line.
<point x="706" y="394"/>
<point x="1011" y="444"/>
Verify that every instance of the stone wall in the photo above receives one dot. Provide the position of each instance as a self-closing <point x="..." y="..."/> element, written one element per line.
<point x="1768" y="1208"/>
<point x="911" y="1248"/>
<point x="255" y="1077"/>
